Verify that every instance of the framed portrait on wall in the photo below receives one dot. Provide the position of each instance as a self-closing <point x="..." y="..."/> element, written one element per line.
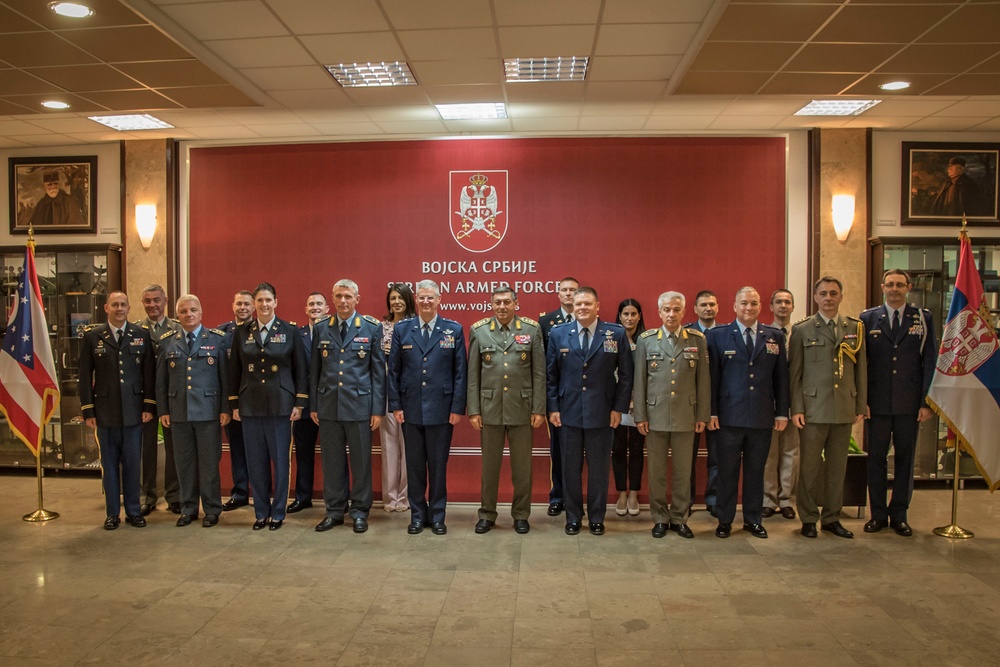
<point x="54" y="195"/>
<point x="944" y="181"/>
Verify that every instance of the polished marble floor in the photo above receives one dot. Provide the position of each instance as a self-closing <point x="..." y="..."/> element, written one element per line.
<point x="72" y="593"/>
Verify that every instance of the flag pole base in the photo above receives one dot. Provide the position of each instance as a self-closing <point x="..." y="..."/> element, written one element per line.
<point x="40" y="515"/>
<point x="954" y="532"/>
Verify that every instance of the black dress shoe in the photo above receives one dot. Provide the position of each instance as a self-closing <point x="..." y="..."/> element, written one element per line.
<point x="682" y="530"/>
<point x="111" y="523"/>
<point x="298" y="506"/>
<point x="439" y="528"/>
<point x="174" y="507"/>
<point x="360" y="525"/>
<point x="724" y="530"/>
<point x="328" y="523"/>
<point x="837" y="530"/>
<point x="902" y="528"/>
<point x="415" y="527"/>
<point x="555" y="509"/>
<point x="233" y="503"/>
<point x="875" y="525"/>
<point x="260" y="524"/>
<point x="185" y="520"/>
<point x="711" y="510"/>
<point x="660" y="530"/>
<point x="767" y="512"/>
<point x="484" y="526"/>
<point x="146" y="509"/>
<point x="573" y="528"/>
<point x="521" y="526"/>
<point x="276" y="525"/>
<point x="788" y="513"/>
<point x="597" y="529"/>
<point x="136" y="521"/>
<point x="210" y="520"/>
<point x="755" y="529"/>
<point x="808" y="530"/>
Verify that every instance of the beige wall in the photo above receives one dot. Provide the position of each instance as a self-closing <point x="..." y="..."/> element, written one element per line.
<point x="147" y="175"/>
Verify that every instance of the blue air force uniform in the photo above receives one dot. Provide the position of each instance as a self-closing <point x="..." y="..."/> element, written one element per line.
<point x="547" y="321"/>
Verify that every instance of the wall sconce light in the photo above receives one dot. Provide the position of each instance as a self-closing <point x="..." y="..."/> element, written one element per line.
<point x="843" y="215"/>
<point x="145" y="223"/>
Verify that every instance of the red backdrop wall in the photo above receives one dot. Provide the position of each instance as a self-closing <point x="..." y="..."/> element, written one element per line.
<point x="632" y="217"/>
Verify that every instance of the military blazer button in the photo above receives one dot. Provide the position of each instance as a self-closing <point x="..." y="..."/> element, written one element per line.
<point x="584" y="389"/>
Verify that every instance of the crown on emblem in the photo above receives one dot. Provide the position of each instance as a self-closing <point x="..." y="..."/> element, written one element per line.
<point x="478" y="179"/>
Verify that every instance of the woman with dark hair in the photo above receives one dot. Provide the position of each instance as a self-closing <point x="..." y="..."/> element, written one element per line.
<point x="400" y="305"/>
<point x="268" y="386"/>
<point x="626" y="454"/>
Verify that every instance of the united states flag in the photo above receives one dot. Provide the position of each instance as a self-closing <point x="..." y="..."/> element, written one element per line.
<point x="29" y="391"/>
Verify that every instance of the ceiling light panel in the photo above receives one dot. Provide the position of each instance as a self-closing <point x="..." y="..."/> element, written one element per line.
<point x="364" y="75"/>
<point x="573" y="68"/>
<point x="836" y="107"/>
<point x="129" y="122"/>
<point x="489" y="110"/>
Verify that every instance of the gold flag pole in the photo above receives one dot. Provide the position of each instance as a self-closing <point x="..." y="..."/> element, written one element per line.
<point x="41" y="514"/>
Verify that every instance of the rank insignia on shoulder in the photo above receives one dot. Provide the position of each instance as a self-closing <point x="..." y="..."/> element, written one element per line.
<point x="695" y="332"/>
<point x="648" y="332"/>
<point x="218" y="331"/>
<point x="371" y="319"/>
<point x="480" y="322"/>
<point x="528" y="320"/>
<point x="168" y="334"/>
<point x="357" y="320"/>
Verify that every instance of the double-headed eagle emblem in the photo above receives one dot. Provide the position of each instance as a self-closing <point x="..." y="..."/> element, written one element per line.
<point x="478" y="204"/>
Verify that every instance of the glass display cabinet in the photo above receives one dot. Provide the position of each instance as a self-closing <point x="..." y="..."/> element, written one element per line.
<point x="75" y="281"/>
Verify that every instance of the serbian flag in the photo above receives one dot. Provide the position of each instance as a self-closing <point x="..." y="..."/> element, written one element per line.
<point x="965" y="390"/>
<point x="29" y="392"/>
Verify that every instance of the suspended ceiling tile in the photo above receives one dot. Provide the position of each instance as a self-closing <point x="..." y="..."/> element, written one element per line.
<point x="616" y="108"/>
<point x="992" y="125"/>
<point x="321" y="97"/>
<point x="991" y="66"/>
<point x="388" y="96"/>
<point x="20" y="127"/>
<point x="412" y="127"/>
<point x="639" y="91"/>
<point x="970" y="84"/>
<point x="65" y="125"/>
<point x="106" y="13"/>
<point x="338" y="115"/>
<point x="552" y="124"/>
<point x="546" y="12"/>
<point x="34" y="102"/>
<point x="927" y="58"/>
<point x="446" y="72"/>
<point x="841" y="57"/>
<point x="261" y="52"/>
<point x="11" y="21"/>
<point x="76" y="78"/>
<point x="545" y="91"/>
<point x="224" y="132"/>
<point x="655" y="11"/>
<point x="290" y="78"/>
<point x="448" y="44"/>
<point x="193" y="118"/>
<point x="677" y="123"/>
<point x="761" y="106"/>
<point x="407" y="113"/>
<point x="971" y="108"/>
<point x="464" y="94"/>
<point x="675" y="106"/>
<point x="409" y="15"/>
<point x="357" y="48"/>
<point x="744" y="123"/>
<point x="307" y="17"/>
<point x="261" y="116"/>
<point x="7" y="142"/>
<point x="50" y="140"/>
<point x="481" y="126"/>
<point x="722" y="83"/>
<point x="899" y="24"/>
<point x="650" y="39"/>
<point x="770" y="23"/>
<point x="226" y="20"/>
<point x="546" y="41"/>
<point x="632" y="68"/>
<point x="204" y="97"/>
<point x="40" y="49"/>
<point x="947" y="123"/>
<point x="809" y="122"/>
<point x="743" y="56"/>
<point x="971" y="23"/>
<point x="129" y="44"/>
<point x="814" y="83"/>
<point x="18" y="82"/>
<point x="611" y="123"/>
<point x="919" y="84"/>
<point x="348" y="129"/>
<point x="172" y="74"/>
<point x="544" y="110"/>
<point x="907" y="108"/>
<point x="291" y="130"/>
<point x="130" y="100"/>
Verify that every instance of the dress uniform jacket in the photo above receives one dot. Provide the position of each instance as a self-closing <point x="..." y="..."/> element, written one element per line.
<point x="819" y="390"/>
<point x="672" y="391"/>
<point x="347" y="377"/>
<point x="896" y="384"/>
<point x="506" y="377"/>
<point x="427" y="380"/>
<point x="748" y="392"/>
<point x="191" y="385"/>
<point x="548" y="320"/>
<point x="117" y="384"/>
<point x="268" y="380"/>
<point x="578" y="381"/>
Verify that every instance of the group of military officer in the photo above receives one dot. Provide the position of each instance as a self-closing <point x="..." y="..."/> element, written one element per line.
<point x="743" y="381"/>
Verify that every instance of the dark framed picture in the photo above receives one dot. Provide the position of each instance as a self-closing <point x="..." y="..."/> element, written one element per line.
<point x="944" y="181"/>
<point x="54" y="195"/>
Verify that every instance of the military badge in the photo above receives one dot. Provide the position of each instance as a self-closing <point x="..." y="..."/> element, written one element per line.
<point x="173" y="363"/>
<point x="326" y="353"/>
<point x="771" y="347"/>
<point x="524" y="356"/>
<point x="447" y="342"/>
<point x="274" y="369"/>
<point x="277" y="338"/>
<point x="211" y="361"/>
<point x="522" y="339"/>
<point x="486" y="357"/>
<point x="250" y="368"/>
<point x="361" y="353"/>
<point x="611" y="345"/>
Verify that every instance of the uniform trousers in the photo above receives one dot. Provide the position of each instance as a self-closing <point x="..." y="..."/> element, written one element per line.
<point x="427" y="448"/>
<point x="197" y="452"/>
<point x="268" y="443"/>
<point x="338" y="440"/>
<point x="519" y="442"/>
<point x="680" y="447"/>
<point x="393" y="463"/>
<point x="823" y="450"/>
<point x="781" y="472"/>
<point x="901" y="431"/>
<point x="711" y="467"/>
<point x="238" y="461"/>
<point x="592" y="445"/>
<point x="306" y="432"/>
<point x="120" y="454"/>
<point x="150" y="452"/>
<point x="626" y="458"/>
<point x="556" y="466"/>
<point x="749" y="446"/>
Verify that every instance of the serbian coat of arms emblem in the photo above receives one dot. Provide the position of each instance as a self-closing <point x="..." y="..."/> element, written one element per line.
<point x="478" y="202"/>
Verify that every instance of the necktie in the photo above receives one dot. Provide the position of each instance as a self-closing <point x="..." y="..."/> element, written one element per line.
<point x="343" y="331"/>
<point x="833" y="327"/>
<point x="427" y="332"/>
<point x="749" y="342"/>
<point x="119" y="336"/>
<point x="190" y="338"/>
<point x="671" y="341"/>
<point x="263" y="335"/>
<point x="569" y="318"/>
<point x="895" y="323"/>
<point x="585" y="341"/>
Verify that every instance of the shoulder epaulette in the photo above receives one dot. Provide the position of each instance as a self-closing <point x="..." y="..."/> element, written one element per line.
<point x="293" y="324"/>
<point x="542" y="314"/>
<point x="174" y="320"/>
<point x="647" y="333"/>
<point x="695" y="332"/>
<point x="528" y="320"/>
<point x="804" y="319"/>
<point x="143" y="325"/>
<point x="481" y="322"/>
<point x="89" y="327"/>
<point x="371" y="319"/>
<point x="167" y="334"/>
<point x="218" y="331"/>
<point x="325" y="318"/>
<point x="852" y="318"/>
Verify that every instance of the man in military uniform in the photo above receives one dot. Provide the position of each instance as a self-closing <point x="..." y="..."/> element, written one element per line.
<point x="829" y="379"/>
<point x="672" y="402"/>
<point x="706" y="307"/>
<point x="564" y="313"/>
<point x="192" y="402"/>
<point x="781" y="472"/>
<point x="902" y="353"/>
<point x="347" y="387"/>
<point x="154" y="302"/>
<point x="239" y="496"/>
<point x="506" y="398"/>
<point x="117" y="395"/>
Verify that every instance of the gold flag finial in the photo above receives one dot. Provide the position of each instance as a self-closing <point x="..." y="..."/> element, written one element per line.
<point x="31" y="235"/>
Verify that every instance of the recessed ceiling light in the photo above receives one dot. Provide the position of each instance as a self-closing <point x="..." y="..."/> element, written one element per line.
<point x="836" y="107"/>
<point x="895" y="85"/>
<point x="132" y="122"/>
<point x="489" y="110"/>
<point x="361" y="75"/>
<point x="73" y="10"/>
<point x="55" y="104"/>
<point x="572" y="68"/>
